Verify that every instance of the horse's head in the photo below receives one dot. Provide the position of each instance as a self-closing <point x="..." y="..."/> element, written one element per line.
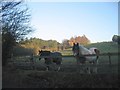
<point x="44" y="53"/>
<point x="75" y="49"/>
<point x="40" y="51"/>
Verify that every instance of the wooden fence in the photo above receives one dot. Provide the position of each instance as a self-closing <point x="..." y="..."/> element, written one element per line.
<point x="112" y="68"/>
<point x="102" y="54"/>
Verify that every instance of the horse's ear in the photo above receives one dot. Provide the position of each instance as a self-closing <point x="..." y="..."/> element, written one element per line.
<point x="78" y="44"/>
<point x="74" y="44"/>
<point x="40" y="50"/>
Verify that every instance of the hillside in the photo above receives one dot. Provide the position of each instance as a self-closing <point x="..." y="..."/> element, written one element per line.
<point x="104" y="47"/>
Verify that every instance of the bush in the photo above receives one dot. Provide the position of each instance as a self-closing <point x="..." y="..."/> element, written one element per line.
<point x="21" y="51"/>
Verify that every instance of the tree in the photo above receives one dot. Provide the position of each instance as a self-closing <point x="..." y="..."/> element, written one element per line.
<point x="37" y="44"/>
<point x="84" y="40"/>
<point x="71" y="41"/>
<point x="79" y="39"/>
<point x="65" y="44"/>
<point x="15" y="25"/>
<point x="116" y="38"/>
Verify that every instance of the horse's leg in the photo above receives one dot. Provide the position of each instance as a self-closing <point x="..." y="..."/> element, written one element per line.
<point x="88" y="70"/>
<point x="83" y="68"/>
<point x="78" y="61"/>
<point x="58" y="68"/>
<point x="95" y="70"/>
<point x="39" y="58"/>
<point x="58" y="63"/>
<point x="96" y="61"/>
<point x="33" y="65"/>
<point x="47" y="68"/>
<point x="95" y="66"/>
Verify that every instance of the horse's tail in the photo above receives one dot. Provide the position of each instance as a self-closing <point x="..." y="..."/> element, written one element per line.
<point x="97" y="57"/>
<point x="97" y="53"/>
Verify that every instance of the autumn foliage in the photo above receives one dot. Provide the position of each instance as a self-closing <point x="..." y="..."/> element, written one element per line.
<point x="83" y="40"/>
<point x="36" y="44"/>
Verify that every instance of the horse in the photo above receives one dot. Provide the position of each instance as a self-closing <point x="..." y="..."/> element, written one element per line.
<point x="52" y="58"/>
<point x="80" y="51"/>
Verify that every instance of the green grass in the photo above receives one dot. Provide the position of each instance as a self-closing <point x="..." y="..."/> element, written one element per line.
<point x="104" y="47"/>
<point x="67" y="52"/>
<point x="69" y="64"/>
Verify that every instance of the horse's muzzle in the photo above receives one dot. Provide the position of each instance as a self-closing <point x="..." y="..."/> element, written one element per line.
<point x="75" y="54"/>
<point x="39" y="58"/>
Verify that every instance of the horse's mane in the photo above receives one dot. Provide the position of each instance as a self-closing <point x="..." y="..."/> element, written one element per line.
<point x="84" y="50"/>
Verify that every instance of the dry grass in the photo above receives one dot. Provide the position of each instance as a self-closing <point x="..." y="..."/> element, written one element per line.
<point x="19" y="78"/>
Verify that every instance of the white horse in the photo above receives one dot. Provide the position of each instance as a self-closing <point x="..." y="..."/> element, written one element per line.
<point x="80" y="51"/>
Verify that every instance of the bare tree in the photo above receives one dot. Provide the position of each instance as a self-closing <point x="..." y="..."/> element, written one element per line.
<point x="65" y="44"/>
<point x="15" y="25"/>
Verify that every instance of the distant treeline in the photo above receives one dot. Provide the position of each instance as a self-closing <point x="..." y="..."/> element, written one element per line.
<point x="35" y="44"/>
<point x="38" y="44"/>
<point x="83" y="40"/>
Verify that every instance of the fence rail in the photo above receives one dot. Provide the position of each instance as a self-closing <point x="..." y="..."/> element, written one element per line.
<point x="102" y="54"/>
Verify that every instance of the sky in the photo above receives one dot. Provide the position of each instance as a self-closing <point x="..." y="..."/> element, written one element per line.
<point x="98" y="21"/>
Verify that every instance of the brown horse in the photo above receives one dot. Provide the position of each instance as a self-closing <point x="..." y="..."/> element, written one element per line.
<point x="52" y="57"/>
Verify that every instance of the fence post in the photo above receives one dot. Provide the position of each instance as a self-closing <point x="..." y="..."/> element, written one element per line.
<point x="109" y="55"/>
<point x="32" y="61"/>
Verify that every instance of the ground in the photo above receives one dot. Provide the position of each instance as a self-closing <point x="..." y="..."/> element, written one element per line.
<point x="21" y="78"/>
<point x="68" y="77"/>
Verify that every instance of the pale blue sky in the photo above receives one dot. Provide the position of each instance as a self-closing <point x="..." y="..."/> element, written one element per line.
<point x="62" y="20"/>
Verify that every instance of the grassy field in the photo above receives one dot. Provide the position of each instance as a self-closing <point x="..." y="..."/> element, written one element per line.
<point x="69" y="64"/>
<point x="51" y="79"/>
<point x="21" y="74"/>
<point x="104" y="47"/>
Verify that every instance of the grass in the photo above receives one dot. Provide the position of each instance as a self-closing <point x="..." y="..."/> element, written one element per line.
<point x="68" y="77"/>
<point x="67" y="52"/>
<point x="104" y="47"/>
<point x="51" y="79"/>
<point x="69" y="64"/>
